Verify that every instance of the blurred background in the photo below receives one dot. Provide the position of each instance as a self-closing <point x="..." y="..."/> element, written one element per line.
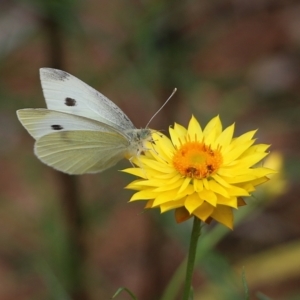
<point x="76" y="237"/>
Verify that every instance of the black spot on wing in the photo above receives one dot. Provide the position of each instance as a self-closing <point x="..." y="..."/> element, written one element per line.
<point x="57" y="127"/>
<point x="70" y="101"/>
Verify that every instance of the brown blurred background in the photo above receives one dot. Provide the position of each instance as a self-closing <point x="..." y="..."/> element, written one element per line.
<point x="65" y="237"/>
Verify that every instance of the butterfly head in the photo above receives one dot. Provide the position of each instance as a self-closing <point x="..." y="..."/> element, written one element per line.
<point x="139" y="144"/>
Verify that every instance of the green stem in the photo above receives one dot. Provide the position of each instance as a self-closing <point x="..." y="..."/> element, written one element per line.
<point x="191" y="258"/>
<point x="215" y="235"/>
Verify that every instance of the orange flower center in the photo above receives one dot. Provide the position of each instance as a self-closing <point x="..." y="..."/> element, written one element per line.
<point x="197" y="160"/>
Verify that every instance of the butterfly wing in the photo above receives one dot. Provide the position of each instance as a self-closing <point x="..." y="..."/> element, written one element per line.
<point x="66" y="93"/>
<point x="41" y="121"/>
<point x="79" y="152"/>
<point x="71" y="143"/>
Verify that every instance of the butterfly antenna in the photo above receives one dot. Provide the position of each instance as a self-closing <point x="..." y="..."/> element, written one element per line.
<point x="174" y="91"/>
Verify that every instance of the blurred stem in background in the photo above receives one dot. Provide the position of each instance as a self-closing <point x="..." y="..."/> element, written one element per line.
<point x="55" y="14"/>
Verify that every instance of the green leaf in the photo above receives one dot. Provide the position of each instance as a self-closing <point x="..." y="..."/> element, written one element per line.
<point x="121" y="289"/>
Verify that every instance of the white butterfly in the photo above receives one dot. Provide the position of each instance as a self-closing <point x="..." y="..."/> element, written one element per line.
<point x="80" y="131"/>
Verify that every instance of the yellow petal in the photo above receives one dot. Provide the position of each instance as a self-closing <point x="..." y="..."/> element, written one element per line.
<point x="240" y="178"/>
<point x="261" y="172"/>
<point x="148" y="183"/>
<point x="184" y="184"/>
<point x="198" y="185"/>
<point x="164" y="197"/>
<point x="135" y="185"/>
<point x="246" y="175"/>
<point x="181" y="130"/>
<point x="149" y="204"/>
<point x="135" y="171"/>
<point x="220" y="180"/>
<point x="194" y="130"/>
<point x="205" y="183"/>
<point x="259" y="148"/>
<point x="259" y="181"/>
<point x="177" y="133"/>
<point x="236" y="152"/>
<point x="188" y="191"/>
<point x="192" y="202"/>
<point x="169" y="186"/>
<point x="143" y="195"/>
<point x="171" y="205"/>
<point x="204" y="211"/>
<point x="248" y="186"/>
<point x="217" y="188"/>
<point x="224" y="139"/>
<point x="250" y="160"/>
<point x="155" y="165"/>
<point x="208" y="196"/>
<point x="244" y="137"/>
<point x="170" y="176"/>
<point x="236" y="191"/>
<point x="232" y="201"/>
<point x="212" y="130"/>
<point x="223" y="215"/>
<point x="162" y="148"/>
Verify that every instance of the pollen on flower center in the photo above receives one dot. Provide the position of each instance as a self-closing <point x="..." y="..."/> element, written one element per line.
<point x="196" y="160"/>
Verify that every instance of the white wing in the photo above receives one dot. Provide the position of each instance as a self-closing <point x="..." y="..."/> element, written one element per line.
<point x="40" y="122"/>
<point x="66" y="93"/>
<point x="79" y="152"/>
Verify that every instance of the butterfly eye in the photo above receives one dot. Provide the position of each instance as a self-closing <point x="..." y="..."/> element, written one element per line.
<point x="70" y="101"/>
<point x="57" y="127"/>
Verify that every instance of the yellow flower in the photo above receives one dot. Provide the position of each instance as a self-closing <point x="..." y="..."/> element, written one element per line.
<point x="202" y="173"/>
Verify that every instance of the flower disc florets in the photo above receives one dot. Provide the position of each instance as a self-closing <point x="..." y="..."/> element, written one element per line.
<point x="196" y="160"/>
<point x="203" y="173"/>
